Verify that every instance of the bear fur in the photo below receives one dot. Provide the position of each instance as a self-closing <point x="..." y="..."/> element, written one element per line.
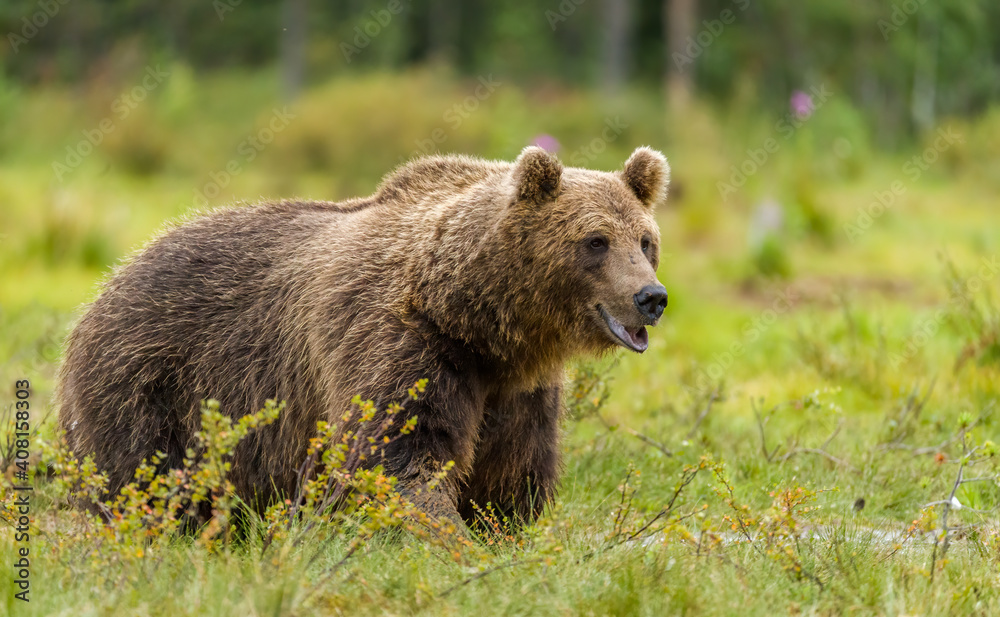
<point x="483" y="277"/>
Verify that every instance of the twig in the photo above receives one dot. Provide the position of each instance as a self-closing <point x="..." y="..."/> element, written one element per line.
<point x="714" y="396"/>
<point x="622" y="511"/>
<point x="939" y="447"/>
<point x="912" y="405"/>
<point x="980" y="479"/>
<point x="833" y="435"/>
<point x="649" y="440"/>
<point x="820" y="452"/>
<point x="761" y="421"/>
<point x="687" y="479"/>
<point x="943" y="542"/>
<point x="332" y="571"/>
<point x="944" y="444"/>
<point x="970" y="509"/>
<point x="640" y="436"/>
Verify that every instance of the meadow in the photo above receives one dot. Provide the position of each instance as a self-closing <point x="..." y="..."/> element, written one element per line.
<point x="812" y="430"/>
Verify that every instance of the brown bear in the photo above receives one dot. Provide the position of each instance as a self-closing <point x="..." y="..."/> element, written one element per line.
<point x="483" y="277"/>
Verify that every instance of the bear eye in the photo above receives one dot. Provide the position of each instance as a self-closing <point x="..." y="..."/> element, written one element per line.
<point x="645" y="244"/>
<point x="597" y="243"/>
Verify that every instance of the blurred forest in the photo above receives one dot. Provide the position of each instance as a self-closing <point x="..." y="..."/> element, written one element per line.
<point x="117" y="116"/>
<point x="903" y="63"/>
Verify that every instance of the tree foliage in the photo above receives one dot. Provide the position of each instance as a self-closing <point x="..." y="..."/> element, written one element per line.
<point x="903" y="61"/>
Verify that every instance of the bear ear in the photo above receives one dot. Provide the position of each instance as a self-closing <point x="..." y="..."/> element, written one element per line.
<point x="647" y="174"/>
<point x="537" y="176"/>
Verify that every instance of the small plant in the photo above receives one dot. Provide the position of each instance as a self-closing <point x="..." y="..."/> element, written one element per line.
<point x="770" y="258"/>
<point x="630" y="524"/>
<point x="364" y="500"/>
<point x="854" y="351"/>
<point x="125" y="536"/>
<point x="588" y="388"/>
<point x="494" y="528"/>
<point x="778" y="533"/>
<point x="157" y="507"/>
<point x="937" y="516"/>
<point x="974" y="313"/>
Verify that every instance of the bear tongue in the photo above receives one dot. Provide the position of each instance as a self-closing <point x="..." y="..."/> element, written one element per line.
<point x="640" y="338"/>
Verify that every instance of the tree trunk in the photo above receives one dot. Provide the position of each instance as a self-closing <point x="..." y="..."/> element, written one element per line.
<point x="442" y="29"/>
<point x="678" y="27"/>
<point x="293" y="46"/>
<point x="615" y="58"/>
<point x="925" y="76"/>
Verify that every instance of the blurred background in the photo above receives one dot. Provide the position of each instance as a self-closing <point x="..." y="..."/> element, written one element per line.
<point x="831" y="147"/>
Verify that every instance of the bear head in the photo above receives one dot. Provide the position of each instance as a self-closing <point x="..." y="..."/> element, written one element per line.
<point x="596" y="242"/>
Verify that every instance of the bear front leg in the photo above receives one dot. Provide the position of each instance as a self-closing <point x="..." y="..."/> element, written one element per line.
<point x="437" y="499"/>
<point x="517" y="458"/>
<point x="449" y="414"/>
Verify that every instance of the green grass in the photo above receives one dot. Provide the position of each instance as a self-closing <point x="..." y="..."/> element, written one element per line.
<point x="830" y="374"/>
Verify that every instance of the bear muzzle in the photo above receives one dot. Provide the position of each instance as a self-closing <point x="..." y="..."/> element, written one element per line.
<point x="651" y="300"/>
<point x="650" y="303"/>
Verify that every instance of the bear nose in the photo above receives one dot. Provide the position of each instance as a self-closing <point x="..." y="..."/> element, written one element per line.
<point x="651" y="300"/>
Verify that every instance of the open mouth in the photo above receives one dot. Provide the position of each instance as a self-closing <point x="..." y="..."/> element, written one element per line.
<point x="635" y="339"/>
